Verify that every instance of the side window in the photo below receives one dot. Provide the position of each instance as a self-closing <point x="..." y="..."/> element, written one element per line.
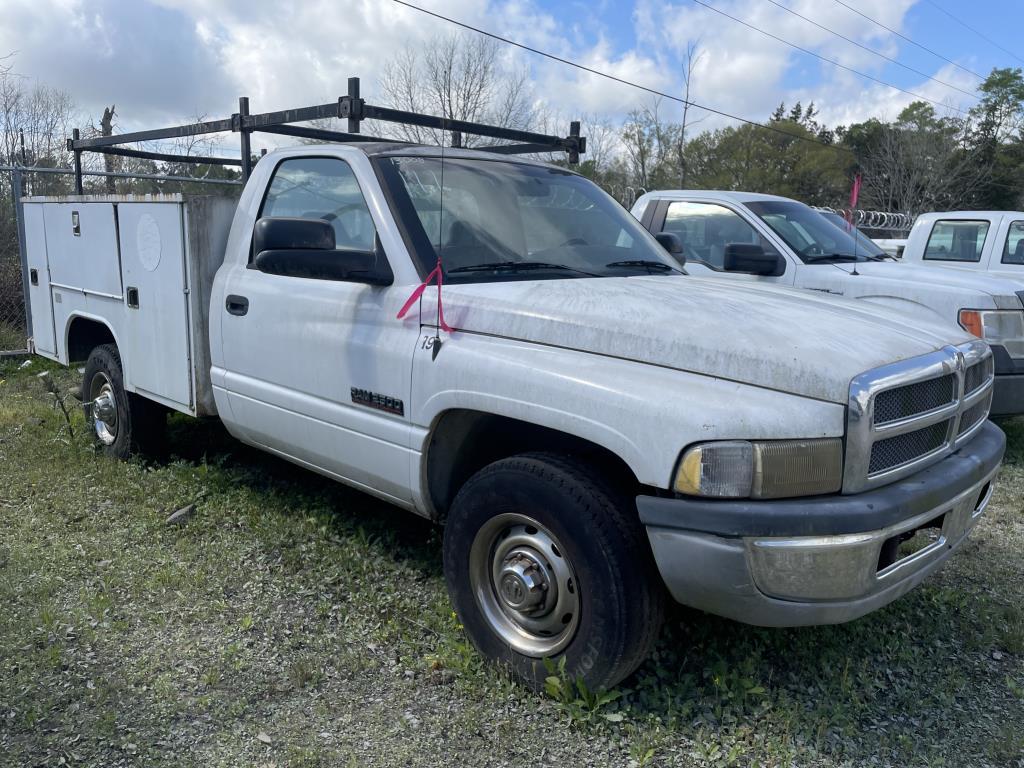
<point x="706" y="228"/>
<point x="956" y="240"/>
<point x="322" y="188"/>
<point x="1013" y="251"/>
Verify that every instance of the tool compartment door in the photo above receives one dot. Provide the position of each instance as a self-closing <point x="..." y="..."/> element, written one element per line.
<point x="81" y="247"/>
<point x="39" y="297"/>
<point x="153" y="271"/>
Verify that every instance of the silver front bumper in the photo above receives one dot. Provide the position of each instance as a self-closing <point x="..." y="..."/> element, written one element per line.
<point x="805" y="580"/>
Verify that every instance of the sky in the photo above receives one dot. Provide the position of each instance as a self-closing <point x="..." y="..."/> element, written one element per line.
<point x="166" y="61"/>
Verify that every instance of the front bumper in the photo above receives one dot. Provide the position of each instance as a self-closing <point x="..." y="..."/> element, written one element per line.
<point x="1008" y="388"/>
<point x="822" y="560"/>
<point x="1007" y="395"/>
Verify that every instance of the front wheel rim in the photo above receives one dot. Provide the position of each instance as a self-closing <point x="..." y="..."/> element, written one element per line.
<point x="103" y="408"/>
<point x="525" y="585"/>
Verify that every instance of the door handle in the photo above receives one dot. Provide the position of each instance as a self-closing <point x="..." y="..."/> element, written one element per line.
<point x="237" y="305"/>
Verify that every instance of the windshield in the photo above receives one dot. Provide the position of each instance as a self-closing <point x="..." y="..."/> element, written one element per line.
<point x="864" y="243"/>
<point x="501" y="221"/>
<point x="811" y="236"/>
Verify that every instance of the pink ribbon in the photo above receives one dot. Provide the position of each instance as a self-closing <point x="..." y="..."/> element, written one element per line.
<point x="414" y="297"/>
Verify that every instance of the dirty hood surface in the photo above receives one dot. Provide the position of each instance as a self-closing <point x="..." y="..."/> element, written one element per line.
<point x="1001" y="287"/>
<point x="783" y="339"/>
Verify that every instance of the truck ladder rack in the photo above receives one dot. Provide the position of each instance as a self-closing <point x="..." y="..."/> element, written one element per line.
<point x="350" y="107"/>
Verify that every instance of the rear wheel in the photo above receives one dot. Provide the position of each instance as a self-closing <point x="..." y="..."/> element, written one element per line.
<point x="122" y="422"/>
<point x="543" y="561"/>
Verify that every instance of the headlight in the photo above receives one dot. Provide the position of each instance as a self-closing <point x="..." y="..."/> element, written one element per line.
<point x="761" y="469"/>
<point x="993" y="325"/>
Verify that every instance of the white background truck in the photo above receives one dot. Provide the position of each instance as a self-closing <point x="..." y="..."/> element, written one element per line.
<point x="766" y="239"/>
<point x="596" y="426"/>
<point x="989" y="242"/>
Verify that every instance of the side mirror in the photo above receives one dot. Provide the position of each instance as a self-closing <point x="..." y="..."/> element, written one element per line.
<point x="672" y="243"/>
<point x="285" y="234"/>
<point x="306" y="248"/>
<point x="752" y="260"/>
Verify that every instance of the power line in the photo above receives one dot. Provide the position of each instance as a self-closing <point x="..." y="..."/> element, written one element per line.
<point x="825" y="59"/>
<point x="873" y="51"/>
<point x="653" y="91"/>
<point x="607" y="76"/>
<point x="912" y="42"/>
<point x="984" y="37"/>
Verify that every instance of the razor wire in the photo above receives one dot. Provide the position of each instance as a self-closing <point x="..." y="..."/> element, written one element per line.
<point x="880" y="220"/>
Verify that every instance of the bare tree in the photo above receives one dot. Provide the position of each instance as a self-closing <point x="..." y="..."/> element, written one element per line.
<point x="650" y="144"/>
<point x="603" y="142"/>
<point x="107" y="129"/>
<point x="458" y="77"/>
<point x="693" y="57"/>
<point x="41" y="114"/>
<point x="919" y="164"/>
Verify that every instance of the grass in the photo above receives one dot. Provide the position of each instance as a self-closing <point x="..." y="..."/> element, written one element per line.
<point x="12" y="336"/>
<point x="292" y="622"/>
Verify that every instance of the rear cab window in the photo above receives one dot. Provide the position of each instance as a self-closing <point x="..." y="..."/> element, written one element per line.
<point x="1013" y="249"/>
<point x="956" y="240"/>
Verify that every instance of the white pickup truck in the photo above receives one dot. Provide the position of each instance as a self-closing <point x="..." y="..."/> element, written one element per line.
<point x="594" y="417"/>
<point x="987" y="242"/>
<point x="768" y="239"/>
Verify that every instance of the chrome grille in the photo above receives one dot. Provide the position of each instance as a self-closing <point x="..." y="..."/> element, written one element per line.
<point x="913" y="399"/>
<point x="975" y="414"/>
<point x="909" y="446"/>
<point x="907" y="415"/>
<point x="978" y="374"/>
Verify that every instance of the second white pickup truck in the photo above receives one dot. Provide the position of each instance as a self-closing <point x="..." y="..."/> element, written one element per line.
<point x="595" y="427"/>
<point x="767" y="239"/>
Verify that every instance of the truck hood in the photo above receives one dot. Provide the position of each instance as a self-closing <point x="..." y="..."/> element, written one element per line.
<point x="778" y="338"/>
<point x="1002" y="290"/>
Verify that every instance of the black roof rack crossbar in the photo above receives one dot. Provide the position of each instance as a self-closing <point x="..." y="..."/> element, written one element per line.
<point x="175" y="132"/>
<point x="321" y="133"/>
<point x="167" y="158"/>
<point x="515" y="149"/>
<point x="350" y="107"/>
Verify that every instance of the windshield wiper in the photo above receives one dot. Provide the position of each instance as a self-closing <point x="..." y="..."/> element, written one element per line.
<point x="515" y="266"/>
<point x="813" y="259"/>
<point x="648" y="264"/>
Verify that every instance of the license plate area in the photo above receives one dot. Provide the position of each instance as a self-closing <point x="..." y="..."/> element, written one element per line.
<point x="908" y="545"/>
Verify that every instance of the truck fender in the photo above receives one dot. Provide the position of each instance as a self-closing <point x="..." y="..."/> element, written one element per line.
<point x="539" y="415"/>
<point x="88" y="316"/>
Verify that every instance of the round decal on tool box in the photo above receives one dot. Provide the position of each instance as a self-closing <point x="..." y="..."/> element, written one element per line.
<point x="147" y="241"/>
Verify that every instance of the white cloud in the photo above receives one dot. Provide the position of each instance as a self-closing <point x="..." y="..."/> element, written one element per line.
<point x="167" y="60"/>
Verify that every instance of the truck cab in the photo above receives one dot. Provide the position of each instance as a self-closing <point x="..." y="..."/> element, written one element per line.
<point x="766" y="239"/>
<point x="990" y="242"/>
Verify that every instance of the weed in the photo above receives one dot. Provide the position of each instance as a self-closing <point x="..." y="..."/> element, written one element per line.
<point x="574" y="698"/>
<point x="305" y="672"/>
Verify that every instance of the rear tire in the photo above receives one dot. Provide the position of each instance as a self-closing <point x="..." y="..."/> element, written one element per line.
<point x="543" y="561"/>
<point x="123" y="423"/>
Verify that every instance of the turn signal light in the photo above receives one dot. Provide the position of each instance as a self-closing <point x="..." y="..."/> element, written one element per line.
<point x="970" y="321"/>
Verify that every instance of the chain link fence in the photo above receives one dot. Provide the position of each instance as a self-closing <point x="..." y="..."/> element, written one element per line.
<point x="17" y="182"/>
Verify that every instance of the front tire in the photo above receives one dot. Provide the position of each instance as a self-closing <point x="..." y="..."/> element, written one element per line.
<point x="543" y="561"/>
<point x="123" y="423"/>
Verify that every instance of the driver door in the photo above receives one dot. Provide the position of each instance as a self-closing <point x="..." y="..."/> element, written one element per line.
<point x="706" y="229"/>
<point x="319" y="370"/>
